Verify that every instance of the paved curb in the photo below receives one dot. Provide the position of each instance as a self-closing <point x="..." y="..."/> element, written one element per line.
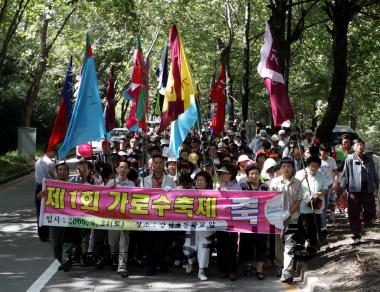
<point x="309" y="281"/>
<point x="16" y="175"/>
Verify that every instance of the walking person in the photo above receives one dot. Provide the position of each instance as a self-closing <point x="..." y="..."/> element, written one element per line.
<point x="197" y="244"/>
<point x="119" y="239"/>
<point x="249" y="241"/>
<point x="44" y="169"/>
<point x="360" y="180"/>
<point x="227" y="241"/>
<point x="292" y="192"/>
<point x="158" y="241"/>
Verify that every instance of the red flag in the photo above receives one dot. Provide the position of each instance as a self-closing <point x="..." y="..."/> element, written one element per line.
<point x="138" y="89"/>
<point x="60" y="126"/>
<point x="111" y="104"/>
<point x="218" y="95"/>
<point x="62" y="119"/>
<point x="270" y="69"/>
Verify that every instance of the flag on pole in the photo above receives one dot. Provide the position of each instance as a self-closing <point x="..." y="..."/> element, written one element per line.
<point x="111" y="104"/>
<point x="162" y="75"/>
<point x="218" y="95"/>
<point x="179" y="108"/>
<point x="64" y="111"/>
<point x="87" y="122"/>
<point x="138" y="91"/>
<point x="270" y="69"/>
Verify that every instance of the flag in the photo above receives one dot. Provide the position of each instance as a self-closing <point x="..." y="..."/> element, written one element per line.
<point x="138" y="91"/>
<point x="62" y="119"/>
<point x="218" y="95"/>
<point x="87" y="122"/>
<point x="111" y="104"/>
<point x="179" y="105"/>
<point x="270" y="69"/>
<point x="162" y="75"/>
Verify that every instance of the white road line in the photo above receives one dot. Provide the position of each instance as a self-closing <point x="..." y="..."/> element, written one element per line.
<point x="45" y="277"/>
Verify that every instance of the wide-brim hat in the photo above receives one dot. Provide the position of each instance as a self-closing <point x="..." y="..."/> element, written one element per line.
<point x="244" y="157"/>
<point x="224" y="170"/>
<point x="263" y="134"/>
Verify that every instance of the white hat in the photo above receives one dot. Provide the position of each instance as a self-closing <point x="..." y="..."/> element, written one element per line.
<point x="275" y="138"/>
<point x="243" y="157"/>
<point x="281" y="132"/>
<point x="308" y="131"/>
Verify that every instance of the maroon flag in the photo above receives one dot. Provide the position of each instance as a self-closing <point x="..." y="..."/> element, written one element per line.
<point x="270" y="69"/>
<point x="111" y="104"/>
<point x="218" y="95"/>
<point x="173" y="103"/>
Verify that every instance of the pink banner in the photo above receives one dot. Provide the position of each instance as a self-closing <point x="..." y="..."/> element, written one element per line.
<point x="129" y="208"/>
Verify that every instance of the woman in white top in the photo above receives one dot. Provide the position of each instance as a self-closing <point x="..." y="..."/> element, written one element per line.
<point x="197" y="243"/>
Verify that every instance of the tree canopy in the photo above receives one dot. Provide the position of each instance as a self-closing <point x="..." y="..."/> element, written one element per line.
<point x="38" y="37"/>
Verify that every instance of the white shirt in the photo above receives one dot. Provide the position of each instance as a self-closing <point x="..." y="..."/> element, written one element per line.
<point x="316" y="183"/>
<point x="44" y="169"/>
<point x="327" y="169"/>
<point x="241" y="178"/>
<point x="117" y="182"/>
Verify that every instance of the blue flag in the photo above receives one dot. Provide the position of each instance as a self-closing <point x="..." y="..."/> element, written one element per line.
<point x="87" y="122"/>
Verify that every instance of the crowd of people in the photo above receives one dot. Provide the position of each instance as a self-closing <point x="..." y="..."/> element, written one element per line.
<point x="318" y="181"/>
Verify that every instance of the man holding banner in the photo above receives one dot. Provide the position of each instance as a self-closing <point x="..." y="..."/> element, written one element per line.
<point x="119" y="239"/>
<point x="292" y="196"/>
<point x="156" y="253"/>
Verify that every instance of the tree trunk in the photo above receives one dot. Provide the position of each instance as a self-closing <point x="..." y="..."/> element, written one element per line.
<point x="34" y="88"/>
<point x="287" y="45"/>
<point x="226" y="55"/>
<point x="11" y="29"/>
<point x="246" y="71"/>
<point x="342" y="13"/>
<point x="3" y="10"/>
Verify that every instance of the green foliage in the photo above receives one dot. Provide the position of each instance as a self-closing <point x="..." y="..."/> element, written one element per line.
<point x="11" y="163"/>
<point x="113" y="26"/>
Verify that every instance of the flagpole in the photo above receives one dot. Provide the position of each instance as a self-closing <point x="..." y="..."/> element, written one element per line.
<point x="199" y="126"/>
<point x="154" y="40"/>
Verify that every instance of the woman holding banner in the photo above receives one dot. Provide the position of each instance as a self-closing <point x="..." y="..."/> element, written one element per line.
<point x="227" y="241"/>
<point x="197" y="244"/>
<point x="250" y="240"/>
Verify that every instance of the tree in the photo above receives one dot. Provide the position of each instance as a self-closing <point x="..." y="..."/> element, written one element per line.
<point x="45" y="48"/>
<point x="341" y="14"/>
<point x="246" y="71"/>
<point x="10" y="31"/>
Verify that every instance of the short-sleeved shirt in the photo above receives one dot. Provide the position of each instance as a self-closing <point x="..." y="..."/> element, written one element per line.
<point x="292" y="192"/>
<point x="316" y="183"/>
<point x="327" y="169"/>
<point x="44" y="169"/>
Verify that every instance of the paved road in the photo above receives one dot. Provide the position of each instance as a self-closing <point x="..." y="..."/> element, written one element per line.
<point x="27" y="263"/>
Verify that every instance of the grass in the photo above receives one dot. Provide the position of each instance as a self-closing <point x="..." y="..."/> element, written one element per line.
<point x="12" y="163"/>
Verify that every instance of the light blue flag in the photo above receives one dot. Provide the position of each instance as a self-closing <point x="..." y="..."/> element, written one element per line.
<point x="181" y="127"/>
<point x="87" y="122"/>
